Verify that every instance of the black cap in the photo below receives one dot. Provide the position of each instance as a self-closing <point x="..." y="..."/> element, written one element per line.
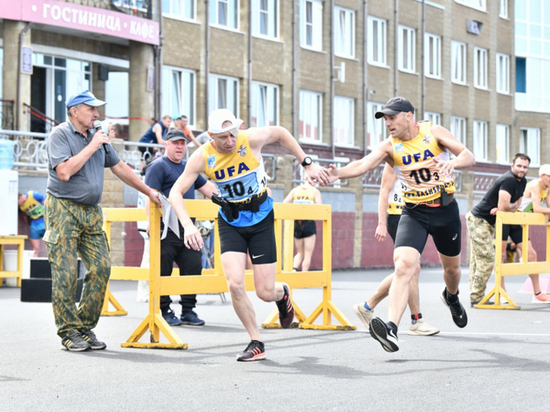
<point x="174" y="135"/>
<point x="395" y="105"/>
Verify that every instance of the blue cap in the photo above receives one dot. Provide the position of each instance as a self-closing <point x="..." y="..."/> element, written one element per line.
<point x="85" y="97"/>
<point x="176" y="117"/>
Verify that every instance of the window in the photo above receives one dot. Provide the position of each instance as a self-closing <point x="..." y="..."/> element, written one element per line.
<point x="480" y="139"/>
<point x="529" y="143"/>
<point x="311" y="24"/>
<point x="503" y="143"/>
<point x="503" y="73"/>
<point x="223" y="93"/>
<point x="344" y="32"/>
<point x="476" y="4"/>
<point x="406" y="49"/>
<point x="117" y="94"/>
<point x="433" y="117"/>
<point x="224" y="13"/>
<point x="182" y="9"/>
<point x="265" y="18"/>
<point x="503" y="11"/>
<point x="480" y="68"/>
<point x="458" y="62"/>
<point x="432" y="55"/>
<point x="376" y="52"/>
<point x="264" y="110"/>
<point x="178" y="93"/>
<point x="376" y="128"/>
<point x="458" y="128"/>
<point x="343" y="123"/>
<point x="310" y="115"/>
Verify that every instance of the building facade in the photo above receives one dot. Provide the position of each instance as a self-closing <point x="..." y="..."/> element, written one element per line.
<point x="320" y="68"/>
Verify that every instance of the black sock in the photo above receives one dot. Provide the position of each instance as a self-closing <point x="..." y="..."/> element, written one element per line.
<point x="393" y="327"/>
<point x="451" y="297"/>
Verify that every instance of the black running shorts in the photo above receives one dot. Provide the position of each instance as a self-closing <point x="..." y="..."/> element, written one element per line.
<point x="304" y="228"/>
<point x="258" y="239"/>
<point x="515" y="232"/>
<point x="419" y="221"/>
<point x="392" y="221"/>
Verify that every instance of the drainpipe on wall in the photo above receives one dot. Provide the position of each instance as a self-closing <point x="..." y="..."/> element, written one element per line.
<point x="423" y="70"/>
<point x="331" y="117"/>
<point x="249" y="83"/>
<point x="206" y="61"/>
<point x="158" y="65"/>
<point x="295" y="37"/>
<point x="365" y="89"/>
<point x="17" y="111"/>
<point x="395" y="46"/>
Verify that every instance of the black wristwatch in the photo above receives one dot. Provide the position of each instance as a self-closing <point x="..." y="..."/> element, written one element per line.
<point x="307" y="161"/>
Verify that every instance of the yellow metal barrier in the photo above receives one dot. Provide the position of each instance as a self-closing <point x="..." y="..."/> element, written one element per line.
<point x="213" y="280"/>
<point x="513" y="269"/>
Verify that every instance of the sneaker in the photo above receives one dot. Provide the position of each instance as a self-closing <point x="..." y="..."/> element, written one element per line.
<point x="286" y="309"/>
<point x="171" y="319"/>
<point x="90" y="337"/>
<point x="384" y="334"/>
<point x="458" y="312"/>
<point x="422" y="329"/>
<point x="364" y="314"/>
<point x="75" y="343"/>
<point x="191" y="318"/>
<point x="254" y="351"/>
<point x="542" y="298"/>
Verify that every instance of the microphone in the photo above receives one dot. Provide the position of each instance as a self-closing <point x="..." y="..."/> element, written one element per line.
<point x="97" y="125"/>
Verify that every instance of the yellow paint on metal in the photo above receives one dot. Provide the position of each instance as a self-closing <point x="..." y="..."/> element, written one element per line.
<point x="515" y="269"/>
<point x="213" y="280"/>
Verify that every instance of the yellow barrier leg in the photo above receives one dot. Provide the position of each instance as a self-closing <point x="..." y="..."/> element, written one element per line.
<point x="497" y="292"/>
<point x="109" y="298"/>
<point x="327" y="307"/>
<point x="159" y="325"/>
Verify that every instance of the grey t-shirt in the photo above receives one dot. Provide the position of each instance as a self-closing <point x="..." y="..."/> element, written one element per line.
<point x="86" y="185"/>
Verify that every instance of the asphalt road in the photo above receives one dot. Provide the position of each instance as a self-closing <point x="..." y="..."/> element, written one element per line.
<point x="500" y="361"/>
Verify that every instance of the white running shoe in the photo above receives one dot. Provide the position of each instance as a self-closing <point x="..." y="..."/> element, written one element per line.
<point x="542" y="298"/>
<point x="364" y="314"/>
<point x="422" y="329"/>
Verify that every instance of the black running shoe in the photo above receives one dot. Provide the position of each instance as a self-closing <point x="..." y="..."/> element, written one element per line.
<point x="384" y="334"/>
<point x="90" y="337"/>
<point x="75" y="343"/>
<point x="254" y="351"/>
<point x="457" y="310"/>
<point x="286" y="309"/>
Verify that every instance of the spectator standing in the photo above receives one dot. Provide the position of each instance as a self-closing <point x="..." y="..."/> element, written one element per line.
<point x="32" y="205"/>
<point x="74" y="221"/>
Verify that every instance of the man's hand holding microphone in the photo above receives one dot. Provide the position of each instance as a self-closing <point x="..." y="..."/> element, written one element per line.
<point x="100" y="133"/>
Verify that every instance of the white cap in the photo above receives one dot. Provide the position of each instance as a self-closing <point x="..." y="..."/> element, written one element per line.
<point x="218" y="117"/>
<point x="544" y="170"/>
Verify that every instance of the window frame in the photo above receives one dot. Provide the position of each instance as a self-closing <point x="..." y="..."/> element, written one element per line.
<point x="214" y="14"/>
<point x="273" y="17"/>
<point x="183" y="3"/>
<point x="376" y="128"/>
<point x="316" y="24"/>
<point x="503" y="9"/>
<point x="214" y="94"/>
<point x="432" y="55"/>
<point x="380" y="42"/>
<point x="474" y="4"/>
<point x="314" y="113"/>
<point x="345" y="107"/>
<point x="502" y="159"/>
<point x="482" y="83"/>
<point x="167" y="93"/>
<point x="270" y="106"/>
<point x="458" y="127"/>
<point x="458" y="52"/>
<point x="344" y="37"/>
<point x="526" y="135"/>
<point x="411" y="54"/>
<point x="503" y="76"/>
<point x="433" y="117"/>
<point x="483" y="127"/>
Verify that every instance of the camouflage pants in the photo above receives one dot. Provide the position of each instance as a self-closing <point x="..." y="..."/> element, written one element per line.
<point x="73" y="229"/>
<point x="482" y="255"/>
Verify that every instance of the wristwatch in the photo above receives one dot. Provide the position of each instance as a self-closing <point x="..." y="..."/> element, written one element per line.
<point x="307" y="161"/>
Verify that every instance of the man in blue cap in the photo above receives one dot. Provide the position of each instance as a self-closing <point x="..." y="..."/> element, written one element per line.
<point x="77" y="156"/>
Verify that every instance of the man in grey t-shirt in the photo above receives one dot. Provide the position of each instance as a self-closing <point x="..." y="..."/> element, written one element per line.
<point x="77" y="156"/>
